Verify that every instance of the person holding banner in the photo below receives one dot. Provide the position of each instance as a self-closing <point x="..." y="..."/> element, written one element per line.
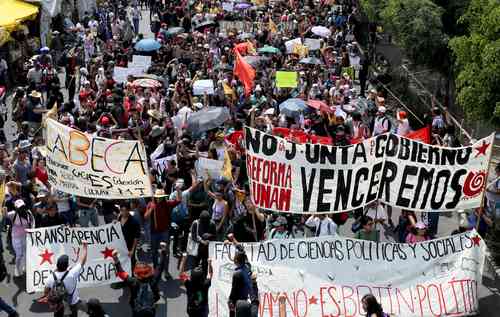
<point x="322" y="225"/>
<point x="419" y="234"/>
<point x="197" y="283"/>
<point x="367" y="231"/>
<point x="131" y="231"/>
<point x="159" y="211"/>
<point x="87" y="213"/>
<point x="372" y="307"/>
<point x="68" y="277"/>
<point x="21" y="219"/>
<point x="243" y="285"/>
<point x="143" y="284"/>
<point x="493" y="194"/>
<point x="279" y="231"/>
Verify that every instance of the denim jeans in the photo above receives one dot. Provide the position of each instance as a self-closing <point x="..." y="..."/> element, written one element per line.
<point x="136" y="25"/>
<point x="156" y="238"/>
<point x="86" y="216"/>
<point x="68" y="216"/>
<point x="6" y="307"/>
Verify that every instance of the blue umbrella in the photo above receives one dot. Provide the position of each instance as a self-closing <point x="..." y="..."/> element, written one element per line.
<point x="174" y="31"/>
<point x="293" y="106"/>
<point x="242" y="6"/>
<point x="147" y="45"/>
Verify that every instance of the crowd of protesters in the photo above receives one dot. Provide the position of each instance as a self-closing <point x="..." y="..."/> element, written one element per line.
<point x="188" y="208"/>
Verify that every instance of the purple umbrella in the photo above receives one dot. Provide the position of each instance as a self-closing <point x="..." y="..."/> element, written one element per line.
<point x="242" y="6"/>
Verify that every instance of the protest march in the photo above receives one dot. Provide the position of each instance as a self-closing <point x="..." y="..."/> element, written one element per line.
<point x="231" y="158"/>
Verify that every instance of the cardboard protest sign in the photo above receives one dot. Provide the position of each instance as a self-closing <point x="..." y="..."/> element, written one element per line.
<point x="403" y="173"/>
<point x="228" y="6"/>
<point x="90" y="166"/>
<point x="207" y="167"/>
<point x="313" y="44"/>
<point x="203" y="86"/>
<point x="45" y="245"/>
<point x="144" y="62"/>
<point x="329" y="276"/>
<point x="161" y="164"/>
<point x="120" y="74"/>
<point x="291" y="44"/>
<point x="286" y="79"/>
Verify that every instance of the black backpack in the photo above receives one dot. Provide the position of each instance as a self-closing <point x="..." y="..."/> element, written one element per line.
<point x="195" y="300"/>
<point x="3" y="269"/>
<point x="58" y="293"/>
<point x="144" y="302"/>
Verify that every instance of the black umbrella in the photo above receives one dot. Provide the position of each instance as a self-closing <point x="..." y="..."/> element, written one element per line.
<point x="207" y="119"/>
<point x="205" y="24"/>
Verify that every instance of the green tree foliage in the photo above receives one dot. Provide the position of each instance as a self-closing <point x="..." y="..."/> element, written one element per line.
<point x="372" y="8"/>
<point x="418" y="29"/>
<point x="453" y="10"/>
<point x="477" y="61"/>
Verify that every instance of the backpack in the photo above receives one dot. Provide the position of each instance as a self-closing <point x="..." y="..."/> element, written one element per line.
<point x="195" y="300"/>
<point x="58" y="293"/>
<point x="145" y="300"/>
<point x="3" y="270"/>
<point x="389" y="124"/>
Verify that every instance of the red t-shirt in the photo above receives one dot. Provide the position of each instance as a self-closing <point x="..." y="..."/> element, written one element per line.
<point x="160" y="216"/>
<point x="42" y="175"/>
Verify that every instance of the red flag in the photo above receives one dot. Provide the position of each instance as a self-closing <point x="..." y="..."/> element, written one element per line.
<point x="241" y="48"/>
<point x="244" y="72"/>
<point x="422" y="135"/>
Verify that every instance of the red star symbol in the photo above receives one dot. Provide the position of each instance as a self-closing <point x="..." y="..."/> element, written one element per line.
<point x="108" y="253"/>
<point x="46" y="257"/>
<point x="313" y="300"/>
<point x="482" y="149"/>
<point x="476" y="239"/>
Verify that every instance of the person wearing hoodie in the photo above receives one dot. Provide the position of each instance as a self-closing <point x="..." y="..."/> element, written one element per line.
<point x="143" y="284"/>
<point x="197" y="284"/>
<point x="203" y="230"/>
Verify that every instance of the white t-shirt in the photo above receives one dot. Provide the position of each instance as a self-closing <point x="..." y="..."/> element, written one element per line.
<point x="325" y="227"/>
<point x="381" y="125"/>
<point x="62" y="206"/>
<point x="35" y="75"/>
<point x="70" y="282"/>
<point x="403" y="127"/>
<point x="377" y="213"/>
<point x="492" y="197"/>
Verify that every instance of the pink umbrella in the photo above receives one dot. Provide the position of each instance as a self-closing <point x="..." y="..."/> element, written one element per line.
<point x="147" y="83"/>
<point x="319" y="105"/>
